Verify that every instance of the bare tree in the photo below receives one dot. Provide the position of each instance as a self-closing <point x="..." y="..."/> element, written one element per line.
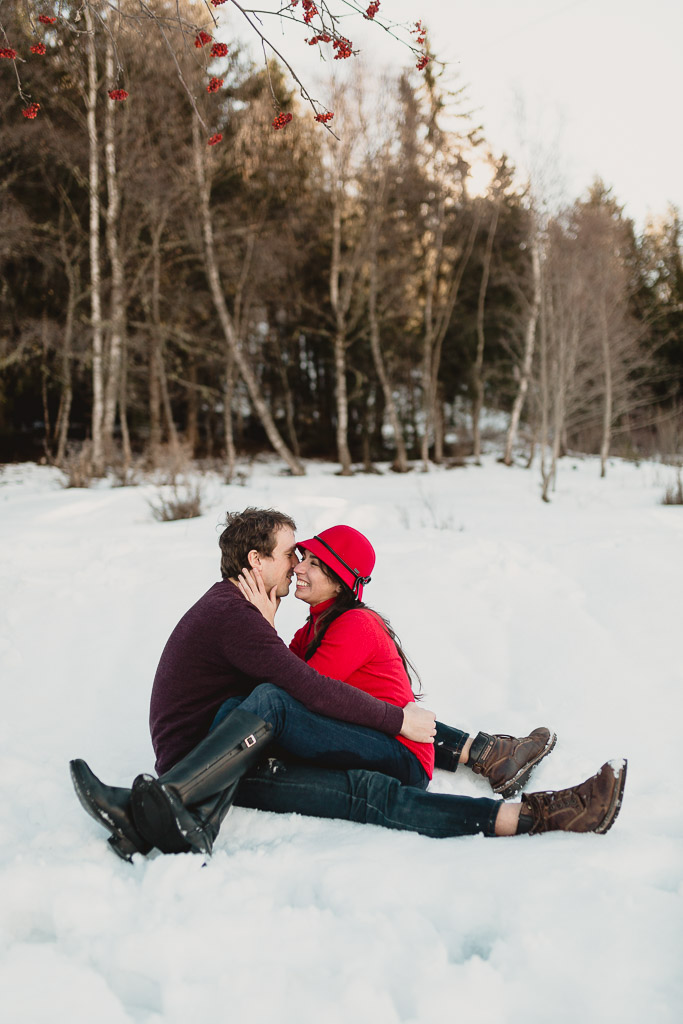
<point x="117" y="314"/>
<point x="226" y="321"/>
<point x="533" y="304"/>
<point x="478" y="365"/>
<point x="98" y="369"/>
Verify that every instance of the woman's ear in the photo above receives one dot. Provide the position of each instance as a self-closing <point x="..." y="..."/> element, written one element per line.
<point x="254" y="559"/>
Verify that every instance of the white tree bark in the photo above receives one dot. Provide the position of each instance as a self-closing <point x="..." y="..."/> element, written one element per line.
<point x="608" y="401"/>
<point x="529" y="345"/>
<point x="95" y="271"/>
<point x="477" y="369"/>
<point x="339" y="308"/>
<point x="117" y="311"/>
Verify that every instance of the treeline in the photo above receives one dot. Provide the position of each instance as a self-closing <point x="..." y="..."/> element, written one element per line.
<point x="347" y="298"/>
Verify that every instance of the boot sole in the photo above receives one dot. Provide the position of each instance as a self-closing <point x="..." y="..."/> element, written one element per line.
<point x="154" y="817"/>
<point x="615" y="804"/>
<point x="519" y="781"/>
<point x="123" y="844"/>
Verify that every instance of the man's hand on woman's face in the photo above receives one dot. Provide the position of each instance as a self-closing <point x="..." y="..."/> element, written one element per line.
<point x="250" y="582"/>
<point x="419" y="724"/>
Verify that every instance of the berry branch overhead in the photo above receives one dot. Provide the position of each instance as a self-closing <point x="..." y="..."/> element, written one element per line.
<point x="324" y="17"/>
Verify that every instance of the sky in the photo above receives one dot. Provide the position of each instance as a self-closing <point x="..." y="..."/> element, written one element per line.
<point x="600" y="84"/>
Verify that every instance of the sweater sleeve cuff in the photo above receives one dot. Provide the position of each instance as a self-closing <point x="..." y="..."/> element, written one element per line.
<point x="393" y="719"/>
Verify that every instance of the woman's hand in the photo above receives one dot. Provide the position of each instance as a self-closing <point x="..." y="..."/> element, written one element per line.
<point x="419" y="724"/>
<point x="250" y="582"/>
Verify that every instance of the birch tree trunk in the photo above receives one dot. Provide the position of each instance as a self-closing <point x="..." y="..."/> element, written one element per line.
<point x="432" y="267"/>
<point x="339" y="346"/>
<point x="546" y="474"/>
<point x="608" y="401"/>
<point x="123" y="415"/>
<point x="94" y="233"/>
<point x="117" y="310"/>
<point x="227" y="325"/>
<point x="400" y="464"/>
<point x="528" y="356"/>
<point x="62" y="425"/>
<point x="437" y="319"/>
<point x="230" y="453"/>
<point x="154" y="353"/>
<point x="159" y="398"/>
<point x="477" y="369"/>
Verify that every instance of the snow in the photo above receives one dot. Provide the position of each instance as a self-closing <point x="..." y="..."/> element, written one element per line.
<point x="517" y="613"/>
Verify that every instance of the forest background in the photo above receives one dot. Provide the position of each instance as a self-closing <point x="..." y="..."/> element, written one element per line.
<point x="325" y="286"/>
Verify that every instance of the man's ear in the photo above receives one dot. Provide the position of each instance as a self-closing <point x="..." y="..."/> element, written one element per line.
<point x="254" y="559"/>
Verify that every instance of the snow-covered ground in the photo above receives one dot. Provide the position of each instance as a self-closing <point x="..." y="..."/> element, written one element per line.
<point x="517" y="614"/>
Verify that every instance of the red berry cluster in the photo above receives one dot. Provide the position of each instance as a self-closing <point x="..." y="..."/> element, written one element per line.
<point x="45" y="20"/>
<point x="281" y="121"/>
<point x="372" y="9"/>
<point x="118" y="94"/>
<point x="39" y="48"/>
<point x="31" y="111"/>
<point x="202" y="39"/>
<point x="214" y="85"/>
<point x="8" y="52"/>
<point x="217" y="3"/>
<point x="219" y="50"/>
<point x="324" y="118"/>
<point x="420" y="33"/>
<point x="310" y="10"/>
<point x="322" y="38"/>
<point x="422" y="62"/>
<point x="215" y="139"/>
<point x="344" y="48"/>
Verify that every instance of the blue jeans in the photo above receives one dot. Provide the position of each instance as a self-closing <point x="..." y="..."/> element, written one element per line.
<point x="286" y="786"/>
<point x="364" y="796"/>
<point x="326" y="741"/>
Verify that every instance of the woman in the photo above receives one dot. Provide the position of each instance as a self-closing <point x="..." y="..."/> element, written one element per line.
<point x="345" y="640"/>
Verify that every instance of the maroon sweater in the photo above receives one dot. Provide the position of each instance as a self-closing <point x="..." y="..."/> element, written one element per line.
<point x="223" y="647"/>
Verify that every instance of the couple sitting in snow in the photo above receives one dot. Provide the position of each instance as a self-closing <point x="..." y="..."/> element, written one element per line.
<point x="328" y="727"/>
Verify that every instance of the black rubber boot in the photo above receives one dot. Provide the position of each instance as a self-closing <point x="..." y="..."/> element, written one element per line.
<point x="110" y="806"/>
<point x="164" y="809"/>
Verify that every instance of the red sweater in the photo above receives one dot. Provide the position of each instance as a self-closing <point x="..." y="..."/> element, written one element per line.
<point x="358" y="649"/>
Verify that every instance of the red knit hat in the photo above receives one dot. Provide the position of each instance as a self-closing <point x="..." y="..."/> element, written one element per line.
<point x="345" y="551"/>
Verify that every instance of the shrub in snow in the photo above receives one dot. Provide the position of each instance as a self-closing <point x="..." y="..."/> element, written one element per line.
<point x="77" y="465"/>
<point x="184" y="502"/>
<point x="674" y="493"/>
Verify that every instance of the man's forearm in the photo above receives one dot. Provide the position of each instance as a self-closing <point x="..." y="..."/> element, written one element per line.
<point x="260" y="653"/>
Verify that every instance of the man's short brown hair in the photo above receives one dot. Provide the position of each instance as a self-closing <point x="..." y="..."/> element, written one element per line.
<point x="255" y="529"/>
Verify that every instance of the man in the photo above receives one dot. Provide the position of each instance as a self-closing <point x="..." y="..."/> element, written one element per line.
<point x="223" y="648"/>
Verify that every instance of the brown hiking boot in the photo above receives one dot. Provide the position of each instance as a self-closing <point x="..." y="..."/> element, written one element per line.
<point x="506" y="761"/>
<point x="590" y="807"/>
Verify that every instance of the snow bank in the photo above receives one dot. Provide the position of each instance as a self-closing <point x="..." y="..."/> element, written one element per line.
<point x="516" y="613"/>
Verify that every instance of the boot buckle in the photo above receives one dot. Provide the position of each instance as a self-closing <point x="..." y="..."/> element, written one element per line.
<point x="250" y="741"/>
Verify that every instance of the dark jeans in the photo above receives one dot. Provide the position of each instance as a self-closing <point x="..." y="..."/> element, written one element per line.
<point x="326" y="741"/>
<point x="448" y="744"/>
<point x="333" y="788"/>
<point x="364" y="796"/>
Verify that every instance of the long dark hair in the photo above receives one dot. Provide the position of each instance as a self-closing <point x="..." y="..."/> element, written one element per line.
<point x="346" y="601"/>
